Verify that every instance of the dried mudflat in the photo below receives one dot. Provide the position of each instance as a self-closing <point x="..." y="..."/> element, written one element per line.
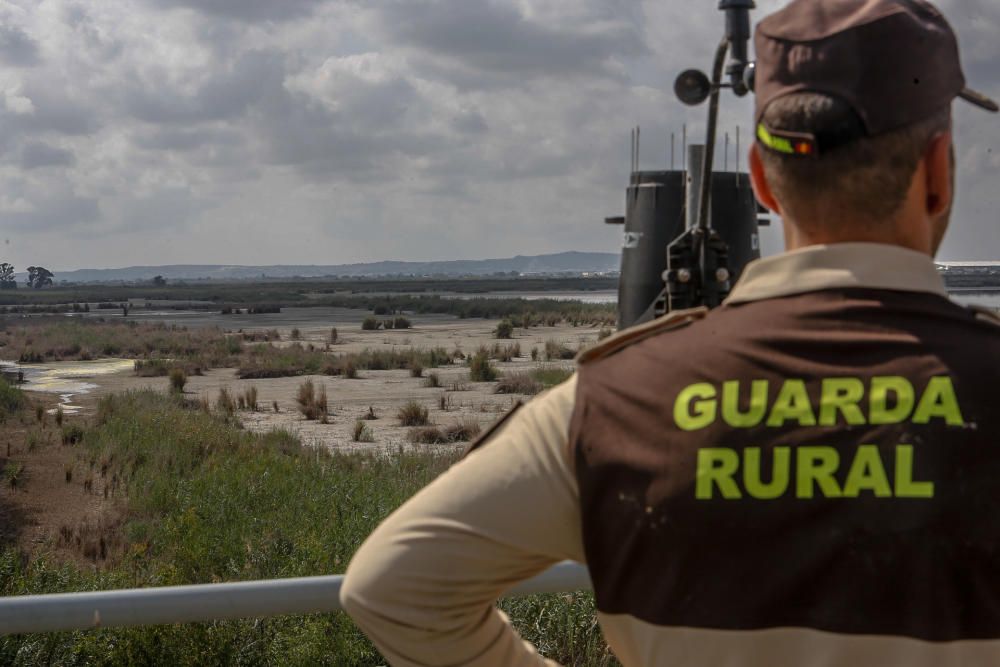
<point x="383" y="392"/>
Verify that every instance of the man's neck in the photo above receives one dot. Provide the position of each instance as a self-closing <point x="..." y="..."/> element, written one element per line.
<point x="892" y="233"/>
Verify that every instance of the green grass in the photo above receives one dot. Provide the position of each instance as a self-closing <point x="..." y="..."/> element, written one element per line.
<point x="550" y="376"/>
<point x="12" y="399"/>
<point x="207" y="501"/>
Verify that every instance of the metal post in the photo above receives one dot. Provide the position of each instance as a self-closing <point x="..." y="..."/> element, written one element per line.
<point x="684" y="146"/>
<point x="695" y="157"/>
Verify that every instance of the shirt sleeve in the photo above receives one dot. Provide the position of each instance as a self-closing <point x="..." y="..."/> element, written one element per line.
<point x="423" y="586"/>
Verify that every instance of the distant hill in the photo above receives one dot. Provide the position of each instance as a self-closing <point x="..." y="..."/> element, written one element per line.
<point x="564" y="262"/>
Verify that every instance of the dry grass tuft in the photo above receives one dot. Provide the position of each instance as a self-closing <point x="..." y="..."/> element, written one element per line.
<point x="413" y="414"/>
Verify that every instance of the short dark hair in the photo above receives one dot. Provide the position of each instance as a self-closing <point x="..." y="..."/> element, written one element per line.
<point x="866" y="179"/>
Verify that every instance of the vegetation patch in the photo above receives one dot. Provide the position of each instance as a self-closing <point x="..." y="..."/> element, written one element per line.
<point x="312" y="402"/>
<point x="207" y="502"/>
<point x="440" y="435"/>
<point x="518" y="383"/>
<point x="413" y="414"/>
<point x="554" y="350"/>
<point x="49" y="339"/>
<point x="550" y="376"/>
<point x="12" y="399"/>
<point x="480" y="368"/>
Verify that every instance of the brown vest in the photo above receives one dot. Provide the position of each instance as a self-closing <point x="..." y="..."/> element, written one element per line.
<point x="829" y="460"/>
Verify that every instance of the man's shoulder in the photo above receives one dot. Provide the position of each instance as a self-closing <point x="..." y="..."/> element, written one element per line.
<point x="627" y="337"/>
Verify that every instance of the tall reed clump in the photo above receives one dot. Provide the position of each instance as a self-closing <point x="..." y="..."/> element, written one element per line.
<point x="362" y="432"/>
<point x="518" y="383"/>
<point x="312" y="403"/>
<point x="505" y="329"/>
<point x="554" y="350"/>
<point x="462" y="431"/>
<point x="12" y="400"/>
<point x="413" y="414"/>
<point x="224" y="402"/>
<point x="250" y="398"/>
<point x="178" y="378"/>
<point x="480" y="368"/>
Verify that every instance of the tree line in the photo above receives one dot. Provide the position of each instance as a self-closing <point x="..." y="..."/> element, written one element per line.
<point x="38" y="277"/>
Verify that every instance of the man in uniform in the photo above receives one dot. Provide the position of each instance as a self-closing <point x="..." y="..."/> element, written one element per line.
<point x="807" y="475"/>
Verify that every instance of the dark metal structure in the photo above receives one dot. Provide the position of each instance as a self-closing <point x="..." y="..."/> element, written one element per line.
<point x="689" y="234"/>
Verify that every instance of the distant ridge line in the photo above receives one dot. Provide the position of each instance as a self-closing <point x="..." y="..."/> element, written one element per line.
<point x="565" y="262"/>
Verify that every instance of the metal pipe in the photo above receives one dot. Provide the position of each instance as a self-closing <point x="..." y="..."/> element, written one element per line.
<point x="190" y="604"/>
<point x="695" y="158"/>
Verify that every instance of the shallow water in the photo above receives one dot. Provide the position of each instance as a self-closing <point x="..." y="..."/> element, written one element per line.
<point x="65" y="378"/>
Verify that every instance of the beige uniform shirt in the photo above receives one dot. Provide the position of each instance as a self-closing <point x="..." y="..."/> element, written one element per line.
<point x="424" y="584"/>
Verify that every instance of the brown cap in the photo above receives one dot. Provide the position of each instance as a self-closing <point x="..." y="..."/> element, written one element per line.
<point x="895" y="62"/>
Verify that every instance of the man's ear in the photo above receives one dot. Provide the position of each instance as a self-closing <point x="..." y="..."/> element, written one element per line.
<point x="761" y="187"/>
<point x="939" y="183"/>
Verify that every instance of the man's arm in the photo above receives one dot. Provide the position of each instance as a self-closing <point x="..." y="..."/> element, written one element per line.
<point x="423" y="586"/>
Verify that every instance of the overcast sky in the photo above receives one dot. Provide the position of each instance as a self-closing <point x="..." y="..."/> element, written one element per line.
<point x="329" y="131"/>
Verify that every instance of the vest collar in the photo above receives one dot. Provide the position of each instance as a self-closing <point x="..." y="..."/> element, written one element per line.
<point x="840" y="265"/>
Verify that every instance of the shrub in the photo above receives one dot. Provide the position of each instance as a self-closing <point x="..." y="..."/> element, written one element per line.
<point x="178" y="378"/>
<point x="416" y="370"/>
<point x="518" y="383"/>
<point x="312" y="404"/>
<point x="362" y="433"/>
<point x="225" y="401"/>
<point x="401" y="323"/>
<point x="604" y="333"/>
<point x="504" y="330"/>
<point x="480" y="368"/>
<point x="433" y="380"/>
<point x="370" y="323"/>
<point x="413" y="414"/>
<point x="72" y="434"/>
<point x="296" y="334"/>
<point x="557" y="350"/>
<point x="150" y="368"/>
<point x="12" y="399"/>
<point x="505" y="352"/>
<point x="274" y="406"/>
<point x="13" y="473"/>
<point x="40" y="413"/>
<point x="334" y="336"/>
<point x="432" y="435"/>
<point x="370" y="415"/>
<point x="534" y="354"/>
<point x="60" y="415"/>
<point x="250" y="398"/>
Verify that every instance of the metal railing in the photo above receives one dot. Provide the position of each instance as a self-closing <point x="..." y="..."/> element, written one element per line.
<point x="188" y="604"/>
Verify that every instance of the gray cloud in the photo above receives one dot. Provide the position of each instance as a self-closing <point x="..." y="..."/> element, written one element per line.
<point x="17" y="48"/>
<point x="246" y="10"/>
<point x="226" y="94"/>
<point x="37" y="154"/>
<point x="231" y="130"/>
<point x="497" y="42"/>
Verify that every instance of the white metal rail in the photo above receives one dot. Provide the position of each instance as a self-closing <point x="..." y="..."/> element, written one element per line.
<point x="187" y="604"/>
